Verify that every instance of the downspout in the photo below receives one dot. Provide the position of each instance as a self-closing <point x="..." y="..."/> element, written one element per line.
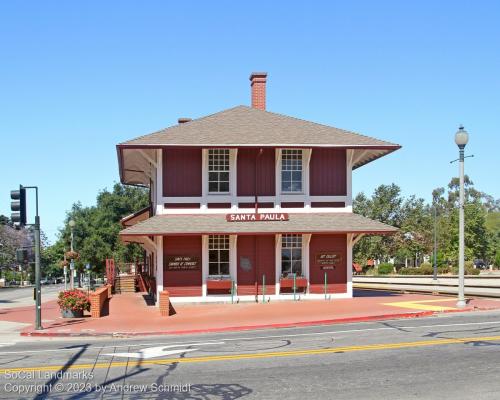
<point x="255" y="236"/>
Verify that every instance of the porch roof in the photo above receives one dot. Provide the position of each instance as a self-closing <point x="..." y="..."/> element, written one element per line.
<point x="210" y="224"/>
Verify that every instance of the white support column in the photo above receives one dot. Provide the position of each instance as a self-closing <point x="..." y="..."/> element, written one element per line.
<point x="159" y="268"/>
<point x="233" y="178"/>
<point x="305" y="257"/>
<point x="307" y="153"/>
<point x="277" y="262"/>
<point x="204" y="179"/>
<point x="159" y="183"/>
<point x="349" y="263"/>
<point x="204" y="264"/>
<point x="277" y="199"/>
<point x="233" y="258"/>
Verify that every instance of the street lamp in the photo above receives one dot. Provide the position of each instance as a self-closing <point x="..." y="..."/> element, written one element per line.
<point x="461" y="139"/>
<point x="72" y="224"/>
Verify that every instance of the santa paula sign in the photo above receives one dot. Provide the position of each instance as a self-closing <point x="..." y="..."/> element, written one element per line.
<point x="252" y="217"/>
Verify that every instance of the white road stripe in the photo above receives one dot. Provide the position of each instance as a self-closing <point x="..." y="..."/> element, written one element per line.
<point x="266" y="337"/>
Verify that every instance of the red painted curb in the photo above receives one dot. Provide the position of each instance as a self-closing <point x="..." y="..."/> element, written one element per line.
<point x="371" y="318"/>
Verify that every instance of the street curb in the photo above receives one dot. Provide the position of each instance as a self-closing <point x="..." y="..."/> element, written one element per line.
<point x="371" y="318"/>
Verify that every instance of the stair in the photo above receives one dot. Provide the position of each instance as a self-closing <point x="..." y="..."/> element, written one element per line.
<point x="125" y="284"/>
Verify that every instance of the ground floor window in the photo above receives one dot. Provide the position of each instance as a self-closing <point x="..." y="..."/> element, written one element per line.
<point x="291" y="255"/>
<point x="218" y="255"/>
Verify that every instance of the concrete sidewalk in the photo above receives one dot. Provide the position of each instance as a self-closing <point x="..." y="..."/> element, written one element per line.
<point x="129" y="314"/>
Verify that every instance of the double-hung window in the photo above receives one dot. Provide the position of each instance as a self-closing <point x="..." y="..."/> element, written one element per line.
<point x="218" y="170"/>
<point x="218" y="255"/>
<point x="291" y="255"/>
<point x="291" y="171"/>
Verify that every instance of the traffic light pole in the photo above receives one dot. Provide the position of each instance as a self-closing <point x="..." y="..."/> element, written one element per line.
<point x="38" y="305"/>
<point x="38" y="322"/>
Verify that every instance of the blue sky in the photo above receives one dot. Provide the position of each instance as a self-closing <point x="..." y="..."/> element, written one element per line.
<point x="76" y="78"/>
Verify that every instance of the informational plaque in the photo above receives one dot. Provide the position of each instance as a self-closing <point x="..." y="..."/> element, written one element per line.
<point x="182" y="263"/>
<point x="328" y="260"/>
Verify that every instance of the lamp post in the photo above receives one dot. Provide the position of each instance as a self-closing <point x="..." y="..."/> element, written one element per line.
<point x="435" y="268"/>
<point x="72" y="224"/>
<point x="461" y="139"/>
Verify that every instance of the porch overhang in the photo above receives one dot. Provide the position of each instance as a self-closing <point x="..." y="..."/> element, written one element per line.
<point x="216" y="224"/>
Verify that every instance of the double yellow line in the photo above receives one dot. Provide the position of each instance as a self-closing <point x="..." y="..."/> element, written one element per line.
<point x="252" y="356"/>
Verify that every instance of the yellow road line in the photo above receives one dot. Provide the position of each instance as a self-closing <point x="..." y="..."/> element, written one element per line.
<point x="249" y="356"/>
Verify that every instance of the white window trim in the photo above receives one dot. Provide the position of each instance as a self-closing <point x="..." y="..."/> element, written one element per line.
<point x="229" y="255"/>
<point x="228" y="192"/>
<point x="302" y="253"/>
<point x="303" y="175"/>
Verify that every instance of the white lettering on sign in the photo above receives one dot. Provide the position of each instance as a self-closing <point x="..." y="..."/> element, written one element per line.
<point x="252" y="217"/>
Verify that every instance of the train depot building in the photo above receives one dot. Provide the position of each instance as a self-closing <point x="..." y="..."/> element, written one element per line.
<point x="246" y="202"/>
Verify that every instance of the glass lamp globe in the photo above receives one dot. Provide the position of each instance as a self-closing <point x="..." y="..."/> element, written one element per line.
<point x="71" y="223"/>
<point x="461" y="137"/>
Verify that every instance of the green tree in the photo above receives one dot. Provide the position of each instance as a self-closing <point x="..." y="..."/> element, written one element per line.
<point x="97" y="227"/>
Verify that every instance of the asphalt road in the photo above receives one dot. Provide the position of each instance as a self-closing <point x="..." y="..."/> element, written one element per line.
<point x="454" y="356"/>
<point x="23" y="296"/>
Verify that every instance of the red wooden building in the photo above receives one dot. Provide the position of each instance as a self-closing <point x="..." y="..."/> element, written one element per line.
<point x="250" y="201"/>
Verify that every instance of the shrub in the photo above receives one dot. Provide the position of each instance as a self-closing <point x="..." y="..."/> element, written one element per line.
<point x="408" y="271"/>
<point x="385" y="268"/>
<point x="367" y="269"/>
<point x="425" y="269"/>
<point x="444" y="269"/>
<point x="74" y="300"/>
<point x="469" y="270"/>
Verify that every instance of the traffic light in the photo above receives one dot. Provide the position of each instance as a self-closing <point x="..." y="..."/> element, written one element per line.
<point x="18" y="206"/>
<point x="21" y="256"/>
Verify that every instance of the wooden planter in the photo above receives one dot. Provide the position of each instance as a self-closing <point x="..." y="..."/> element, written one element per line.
<point x="219" y="284"/>
<point x="287" y="283"/>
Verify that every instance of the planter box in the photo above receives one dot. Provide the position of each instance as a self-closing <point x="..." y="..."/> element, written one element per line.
<point x="71" y="314"/>
<point x="287" y="283"/>
<point x="219" y="284"/>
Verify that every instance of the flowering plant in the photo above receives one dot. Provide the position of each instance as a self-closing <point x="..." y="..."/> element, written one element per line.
<point x="72" y="255"/>
<point x="74" y="300"/>
<point x="64" y="263"/>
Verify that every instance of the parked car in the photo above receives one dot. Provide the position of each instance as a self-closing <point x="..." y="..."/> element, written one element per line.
<point x="479" y="264"/>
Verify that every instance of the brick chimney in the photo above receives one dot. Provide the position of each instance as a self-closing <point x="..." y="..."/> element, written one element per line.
<point x="258" y="84"/>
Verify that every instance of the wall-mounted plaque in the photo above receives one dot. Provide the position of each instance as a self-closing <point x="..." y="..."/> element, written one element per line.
<point x="328" y="260"/>
<point x="245" y="264"/>
<point x="182" y="263"/>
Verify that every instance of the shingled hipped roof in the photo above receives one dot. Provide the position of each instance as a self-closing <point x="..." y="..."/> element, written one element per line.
<point x="196" y="224"/>
<point x="244" y="126"/>
<point x="247" y="126"/>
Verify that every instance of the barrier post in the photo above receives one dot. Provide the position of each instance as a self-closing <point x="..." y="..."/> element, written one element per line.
<point x="294" y="286"/>
<point x="264" y="288"/>
<point x="325" y="285"/>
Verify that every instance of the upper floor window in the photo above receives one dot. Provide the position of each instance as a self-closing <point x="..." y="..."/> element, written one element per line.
<point x="218" y="170"/>
<point x="218" y="255"/>
<point x="291" y="171"/>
